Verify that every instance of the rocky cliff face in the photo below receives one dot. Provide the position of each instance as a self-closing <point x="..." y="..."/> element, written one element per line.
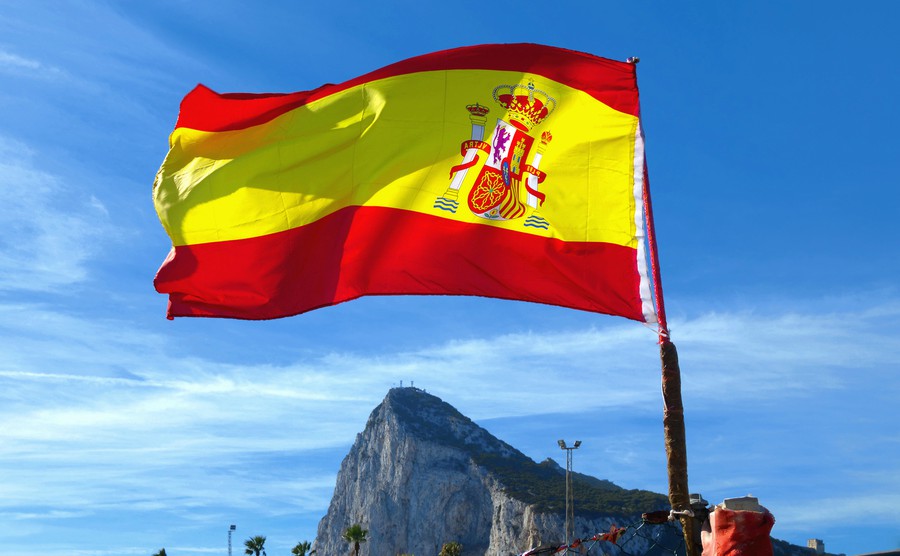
<point x="422" y="474"/>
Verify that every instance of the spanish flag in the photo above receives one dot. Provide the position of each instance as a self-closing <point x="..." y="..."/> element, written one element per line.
<point x="507" y="171"/>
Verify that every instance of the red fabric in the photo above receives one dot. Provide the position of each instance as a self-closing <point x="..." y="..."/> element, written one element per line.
<point x="738" y="533"/>
<point x="205" y="110"/>
<point x="380" y="251"/>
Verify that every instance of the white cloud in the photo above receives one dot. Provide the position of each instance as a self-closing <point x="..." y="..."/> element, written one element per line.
<point x="125" y="421"/>
<point x="49" y="231"/>
<point x="780" y="354"/>
<point x="19" y="65"/>
<point x="879" y="508"/>
<point x="11" y="60"/>
<point x="52" y="514"/>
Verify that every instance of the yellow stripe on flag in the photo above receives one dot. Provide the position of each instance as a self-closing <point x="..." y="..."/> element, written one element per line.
<point x="392" y="143"/>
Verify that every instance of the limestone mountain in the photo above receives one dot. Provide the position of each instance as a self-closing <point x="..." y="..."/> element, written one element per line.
<point x="422" y="474"/>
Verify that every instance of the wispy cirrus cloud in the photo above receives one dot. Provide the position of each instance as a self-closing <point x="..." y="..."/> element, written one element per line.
<point x="27" y="67"/>
<point x="147" y="430"/>
<point x="142" y="409"/>
<point x="878" y="507"/>
<point x="50" y="229"/>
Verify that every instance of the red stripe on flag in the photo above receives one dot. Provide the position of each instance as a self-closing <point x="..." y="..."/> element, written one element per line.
<point x="379" y="251"/>
<point x="611" y="82"/>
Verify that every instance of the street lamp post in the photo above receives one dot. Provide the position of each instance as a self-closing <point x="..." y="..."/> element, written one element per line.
<point x="230" y="530"/>
<point x="570" y="497"/>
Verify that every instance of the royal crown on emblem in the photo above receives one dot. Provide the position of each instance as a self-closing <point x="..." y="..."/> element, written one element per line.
<point x="477" y="109"/>
<point x="527" y="106"/>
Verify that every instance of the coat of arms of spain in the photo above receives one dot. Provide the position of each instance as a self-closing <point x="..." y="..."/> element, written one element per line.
<point x="506" y="187"/>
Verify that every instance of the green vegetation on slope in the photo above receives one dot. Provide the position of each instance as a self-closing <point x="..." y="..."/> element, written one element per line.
<point x="544" y="485"/>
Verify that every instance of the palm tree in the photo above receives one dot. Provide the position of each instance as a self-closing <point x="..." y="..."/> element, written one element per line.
<point x="355" y="534"/>
<point x="162" y="552"/>
<point x="255" y="545"/>
<point x="302" y="548"/>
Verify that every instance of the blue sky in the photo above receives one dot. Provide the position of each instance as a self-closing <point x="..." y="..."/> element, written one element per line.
<point x="772" y="149"/>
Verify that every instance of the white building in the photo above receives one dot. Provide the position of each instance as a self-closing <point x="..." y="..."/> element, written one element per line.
<point x="816" y="544"/>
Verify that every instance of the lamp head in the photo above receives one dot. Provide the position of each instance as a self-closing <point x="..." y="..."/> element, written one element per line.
<point x="562" y="444"/>
<point x="232" y="528"/>
<point x="577" y="443"/>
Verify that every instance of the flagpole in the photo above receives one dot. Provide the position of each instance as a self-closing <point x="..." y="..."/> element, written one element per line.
<point x="673" y="410"/>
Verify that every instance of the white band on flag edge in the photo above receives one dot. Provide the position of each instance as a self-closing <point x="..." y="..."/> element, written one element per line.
<point x="648" y="307"/>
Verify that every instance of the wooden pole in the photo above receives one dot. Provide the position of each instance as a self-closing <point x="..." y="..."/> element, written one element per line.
<point x="673" y="410"/>
<point x="676" y="445"/>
